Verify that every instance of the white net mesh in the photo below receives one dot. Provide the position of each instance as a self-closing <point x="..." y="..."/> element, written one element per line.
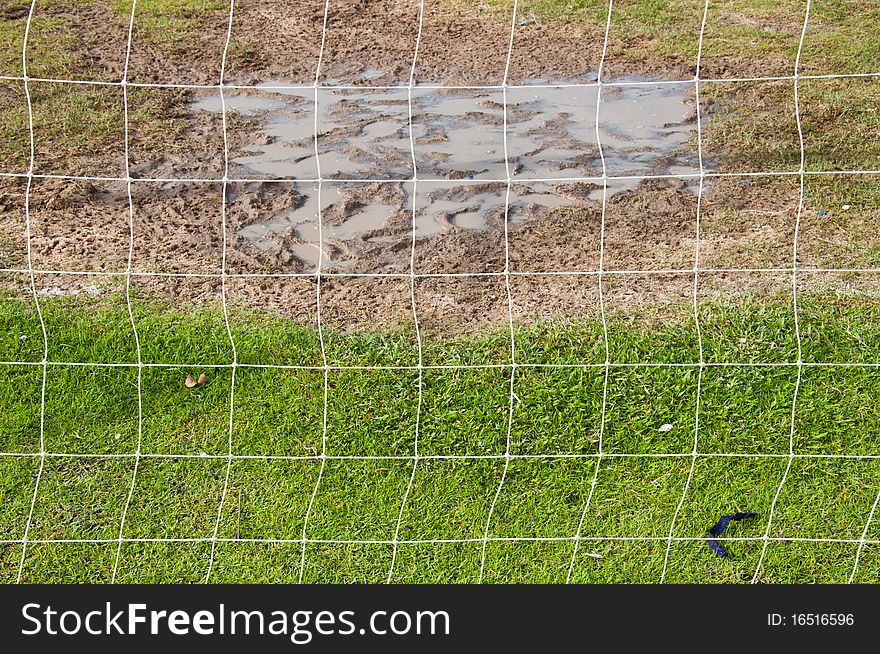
<point x="511" y="365"/>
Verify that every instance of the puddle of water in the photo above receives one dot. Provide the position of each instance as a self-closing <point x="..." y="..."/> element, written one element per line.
<point x="372" y="218"/>
<point x="283" y="144"/>
<point x="241" y="104"/>
<point x="371" y="73"/>
<point x="472" y="207"/>
<point x="456" y="134"/>
<point x="459" y="134"/>
<point x="297" y="230"/>
<point x="641" y="126"/>
<point x="364" y="134"/>
<point x="552" y="132"/>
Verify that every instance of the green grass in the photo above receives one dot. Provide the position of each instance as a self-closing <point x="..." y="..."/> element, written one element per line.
<point x="744" y="410"/>
<point x="169" y="22"/>
<point x="843" y="36"/>
<point x="79" y="129"/>
<point x="54" y="49"/>
<point x="752" y="126"/>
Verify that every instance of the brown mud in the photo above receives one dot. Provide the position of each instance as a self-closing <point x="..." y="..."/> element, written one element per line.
<point x="466" y="220"/>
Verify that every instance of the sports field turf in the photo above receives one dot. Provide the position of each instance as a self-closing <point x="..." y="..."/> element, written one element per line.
<point x="277" y="427"/>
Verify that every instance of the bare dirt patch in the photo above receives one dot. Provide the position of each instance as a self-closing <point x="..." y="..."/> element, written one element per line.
<point x="178" y="229"/>
<point x="461" y="218"/>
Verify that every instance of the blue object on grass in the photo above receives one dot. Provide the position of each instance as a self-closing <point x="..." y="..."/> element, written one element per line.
<point x="715" y="546"/>
<point x="717" y="529"/>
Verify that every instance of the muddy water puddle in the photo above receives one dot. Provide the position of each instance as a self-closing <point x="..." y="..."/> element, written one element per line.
<point x="454" y="141"/>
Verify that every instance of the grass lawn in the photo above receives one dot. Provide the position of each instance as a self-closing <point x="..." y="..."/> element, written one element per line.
<point x="277" y="428"/>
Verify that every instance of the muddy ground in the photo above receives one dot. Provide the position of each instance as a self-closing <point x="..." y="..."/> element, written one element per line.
<point x="744" y="224"/>
<point x="461" y="42"/>
<point x="467" y="219"/>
